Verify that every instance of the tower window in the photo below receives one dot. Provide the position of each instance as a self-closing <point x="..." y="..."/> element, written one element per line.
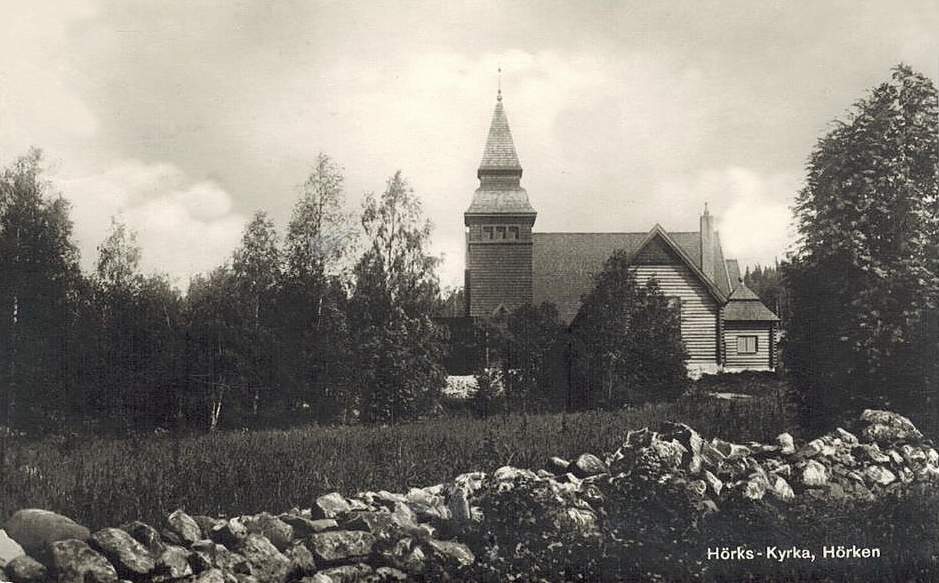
<point x="488" y="233"/>
<point x="513" y="233"/>
<point x="500" y="233"/>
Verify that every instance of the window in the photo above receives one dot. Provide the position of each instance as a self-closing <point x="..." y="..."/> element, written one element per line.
<point x="746" y="344"/>
<point x="487" y="233"/>
<point x="500" y="233"/>
<point x="513" y="233"/>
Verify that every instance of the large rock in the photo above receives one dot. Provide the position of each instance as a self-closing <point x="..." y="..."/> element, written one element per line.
<point x="210" y="576"/>
<point x="304" y="527"/>
<point x="25" y="569"/>
<point x="173" y="563"/>
<point x="344" y="574"/>
<point x="886" y="427"/>
<point x="341" y="546"/>
<point x="181" y="529"/>
<point x="230" y="533"/>
<point x="301" y="560"/>
<point x="146" y="535"/>
<point x="786" y="443"/>
<point x="330" y="506"/>
<point x="9" y="549"/>
<point x="427" y="505"/>
<point x="73" y="561"/>
<point x="274" y="529"/>
<point x="36" y="529"/>
<point x="386" y="525"/>
<point x="268" y="565"/>
<point x="451" y="554"/>
<point x="814" y="474"/>
<point x="130" y="558"/>
<point x="586" y="465"/>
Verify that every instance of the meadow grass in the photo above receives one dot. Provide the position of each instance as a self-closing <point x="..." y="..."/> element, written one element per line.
<point x="108" y="481"/>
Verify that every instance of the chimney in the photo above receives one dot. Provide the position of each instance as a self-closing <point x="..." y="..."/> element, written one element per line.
<point x="707" y="244"/>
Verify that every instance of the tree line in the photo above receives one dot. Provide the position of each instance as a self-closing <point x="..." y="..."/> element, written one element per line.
<point x="304" y="325"/>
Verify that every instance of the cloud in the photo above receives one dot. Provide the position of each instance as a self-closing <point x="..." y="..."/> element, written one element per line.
<point x="183" y="226"/>
<point x="751" y="209"/>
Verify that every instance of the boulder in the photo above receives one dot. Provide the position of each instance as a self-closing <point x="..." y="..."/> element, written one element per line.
<point x="304" y="527"/>
<point x="145" y="535"/>
<point x="586" y="465"/>
<point x="557" y="465"/>
<point x="450" y="554"/>
<point x="814" y="474"/>
<point x="780" y="488"/>
<point x="9" y="549"/>
<point x="210" y="576"/>
<point x="173" y="563"/>
<point x="786" y="443"/>
<point x="330" y="506"/>
<point x="341" y="546"/>
<point x="181" y="529"/>
<point x="427" y="505"/>
<point x="274" y="529"/>
<point x="73" y="561"/>
<point x="345" y="574"/>
<point x="36" y="529"/>
<point x="885" y="427"/>
<point x="879" y="475"/>
<point x="230" y="533"/>
<point x="25" y="569"/>
<point x="386" y="526"/>
<point x="713" y="482"/>
<point x="301" y="560"/>
<point x="268" y="565"/>
<point x="219" y="556"/>
<point x="206" y="523"/>
<point x="130" y="558"/>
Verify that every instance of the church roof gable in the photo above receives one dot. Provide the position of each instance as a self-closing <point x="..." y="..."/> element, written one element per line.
<point x="564" y="265"/>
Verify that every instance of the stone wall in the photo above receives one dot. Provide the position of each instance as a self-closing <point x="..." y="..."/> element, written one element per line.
<point x="470" y="527"/>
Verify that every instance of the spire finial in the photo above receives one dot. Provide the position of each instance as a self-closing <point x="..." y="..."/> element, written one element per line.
<point x="499" y="94"/>
<point x="706" y="213"/>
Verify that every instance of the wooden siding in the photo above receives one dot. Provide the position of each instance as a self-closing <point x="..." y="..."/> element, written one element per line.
<point x="699" y="309"/>
<point x="764" y="338"/>
<point x="499" y="273"/>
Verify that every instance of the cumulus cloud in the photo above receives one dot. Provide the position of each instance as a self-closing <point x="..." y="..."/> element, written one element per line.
<point x="184" y="227"/>
<point x="751" y="209"/>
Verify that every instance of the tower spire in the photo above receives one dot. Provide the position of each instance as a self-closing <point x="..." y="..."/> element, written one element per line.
<point x="499" y="93"/>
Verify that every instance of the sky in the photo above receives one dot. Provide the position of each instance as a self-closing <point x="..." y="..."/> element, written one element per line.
<point x="181" y="119"/>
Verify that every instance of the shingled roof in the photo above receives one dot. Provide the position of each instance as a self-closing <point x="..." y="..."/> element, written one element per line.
<point x="745" y="306"/>
<point x="565" y="265"/>
<point x="500" y="191"/>
<point x="500" y="149"/>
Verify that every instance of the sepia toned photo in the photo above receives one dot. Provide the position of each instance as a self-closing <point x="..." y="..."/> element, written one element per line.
<point x="540" y="291"/>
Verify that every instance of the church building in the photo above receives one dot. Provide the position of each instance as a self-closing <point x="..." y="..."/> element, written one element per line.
<point x="724" y="325"/>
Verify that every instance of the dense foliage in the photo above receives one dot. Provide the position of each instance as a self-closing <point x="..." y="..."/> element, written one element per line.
<point x="864" y="282"/>
<point x="284" y="332"/>
<point x="625" y="342"/>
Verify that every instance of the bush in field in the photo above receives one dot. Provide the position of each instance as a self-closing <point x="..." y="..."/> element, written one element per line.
<point x="864" y="281"/>
<point x="626" y="342"/>
<point x="527" y="346"/>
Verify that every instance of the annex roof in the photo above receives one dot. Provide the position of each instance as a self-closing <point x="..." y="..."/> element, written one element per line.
<point x="745" y="306"/>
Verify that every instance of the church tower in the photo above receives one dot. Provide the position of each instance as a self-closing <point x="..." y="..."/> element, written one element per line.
<point x="498" y="228"/>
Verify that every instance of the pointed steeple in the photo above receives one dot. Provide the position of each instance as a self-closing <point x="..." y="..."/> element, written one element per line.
<point x="499" y="157"/>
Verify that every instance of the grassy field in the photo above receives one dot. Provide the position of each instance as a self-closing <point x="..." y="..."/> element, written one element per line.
<point x="103" y="482"/>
